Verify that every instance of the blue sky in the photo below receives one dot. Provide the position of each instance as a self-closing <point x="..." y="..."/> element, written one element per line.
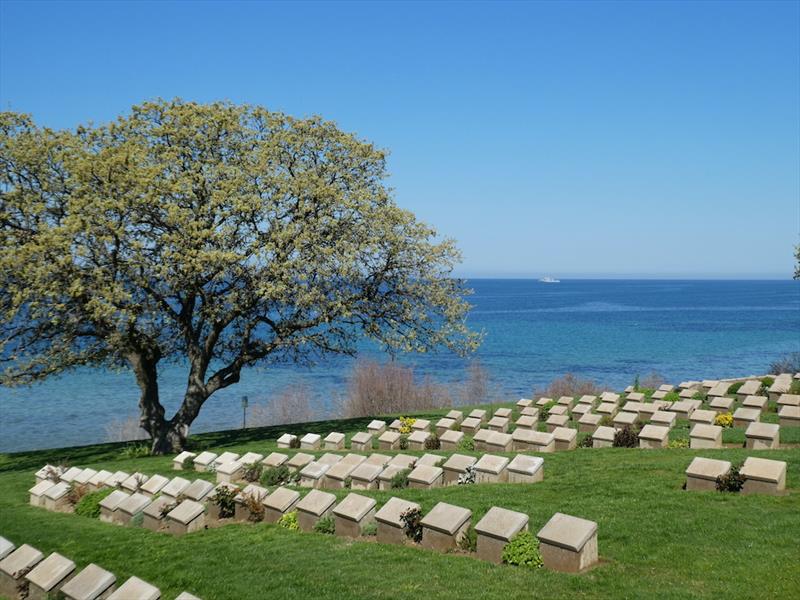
<point x="567" y="139"/>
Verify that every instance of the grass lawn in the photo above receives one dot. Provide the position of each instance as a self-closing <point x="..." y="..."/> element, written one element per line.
<point x="654" y="538"/>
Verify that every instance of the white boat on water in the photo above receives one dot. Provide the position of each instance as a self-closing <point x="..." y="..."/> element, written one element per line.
<point x="549" y="280"/>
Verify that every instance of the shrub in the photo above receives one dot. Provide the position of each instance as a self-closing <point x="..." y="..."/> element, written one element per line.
<point x="403" y="442"/>
<point x="252" y="472"/>
<point x="787" y="364"/>
<point x="370" y="529"/>
<point x="406" y="425"/>
<point x="76" y="493"/>
<point x="638" y="425"/>
<point x="469" y="541"/>
<point x="390" y="388"/>
<point x="523" y="550"/>
<point x="169" y="506"/>
<point x="587" y="442"/>
<point x="732" y="481"/>
<point x="348" y="482"/>
<point x="89" y="505"/>
<point x="767" y="381"/>
<point x="188" y="463"/>
<point x="135" y="451"/>
<point x="724" y="420"/>
<point x="400" y="479"/>
<point x="680" y="443"/>
<point x="325" y="525"/>
<point x="412" y="524"/>
<point x="467" y="477"/>
<point x="275" y="476"/>
<point x="466" y="444"/>
<point x="626" y="438"/>
<point x="735" y="387"/>
<point x="433" y="442"/>
<point x="289" y="521"/>
<point x="672" y="396"/>
<point x="294" y="442"/>
<point x="606" y="421"/>
<point x="224" y="498"/>
<point x="794" y="388"/>
<point x="255" y="507"/>
<point x="569" y="385"/>
<point x="699" y="395"/>
<point x="544" y="411"/>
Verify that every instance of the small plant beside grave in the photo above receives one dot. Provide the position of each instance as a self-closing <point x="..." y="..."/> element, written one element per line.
<point x="188" y="463"/>
<point x="523" y="551"/>
<point x="89" y="505"/>
<point x="544" y="412"/>
<point x="294" y="442"/>
<point x="406" y="424"/>
<point x="224" y="498"/>
<point x="626" y="438"/>
<point x="255" y="508"/>
<point x="586" y="442"/>
<point x="732" y="481"/>
<point x="135" y="451"/>
<point x="76" y="493"/>
<point x="433" y="442"/>
<point x="400" y="479"/>
<point x="273" y="476"/>
<point x="724" y="420"/>
<point x="370" y="530"/>
<point x="679" y="443"/>
<point x="252" y="472"/>
<point x="467" y="444"/>
<point x="468" y="476"/>
<point x="412" y="524"/>
<point x="289" y="521"/>
<point x="325" y="525"/>
<point x="469" y="541"/>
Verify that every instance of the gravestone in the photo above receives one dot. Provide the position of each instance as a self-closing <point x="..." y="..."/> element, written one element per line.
<point x="425" y="477"/>
<point x="92" y="583"/>
<point x="15" y="566"/>
<point x="136" y="589"/>
<point x="702" y="473"/>
<point x="705" y="436"/>
<point x="568" y="544"/>
<point x="496" y="529"/>
<point x="763" y="476"/>
<point x="47" y="577"/>
<point x="456" y="465"/>
<point x="313" y="507"/>
<point x="334" y="441"/>
<point x="352" y="514"/>
<point x="762" y="436"/>
<point x="278" y="503"/>
<point x="390" y="524"/>
<point x="311" y="441"/>
<point x="491" y="468"/>
<point x="444" y="526"/>
<point x="185" y="518"/>
<point x="525" y="469"/>
<point x="389" y="440"/>
<point x="450" y="440"/>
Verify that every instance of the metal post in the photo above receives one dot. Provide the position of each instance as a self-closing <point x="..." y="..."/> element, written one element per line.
<point x="244" y="412"/>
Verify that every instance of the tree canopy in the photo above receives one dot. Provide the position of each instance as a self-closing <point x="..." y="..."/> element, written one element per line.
<point x="223" y="235"/>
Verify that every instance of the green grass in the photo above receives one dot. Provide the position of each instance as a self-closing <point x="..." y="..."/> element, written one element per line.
<point x="654" y="538"/>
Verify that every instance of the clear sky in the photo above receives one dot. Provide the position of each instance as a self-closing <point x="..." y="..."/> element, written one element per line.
<point x="565" y="139"/>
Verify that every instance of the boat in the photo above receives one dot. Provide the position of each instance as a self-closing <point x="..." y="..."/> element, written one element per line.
<point x="549" y="280"/>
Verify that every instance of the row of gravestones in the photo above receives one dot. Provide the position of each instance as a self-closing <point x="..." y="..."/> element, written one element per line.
<point x="567" y="543"/>
<point x="25" y="573"/>
<point x="760" y="475"/>
<point x="376" y="470"/>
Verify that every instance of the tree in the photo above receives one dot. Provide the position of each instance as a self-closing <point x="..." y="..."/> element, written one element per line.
<point x="797" y="262"/>
<point x="218" y="236"/>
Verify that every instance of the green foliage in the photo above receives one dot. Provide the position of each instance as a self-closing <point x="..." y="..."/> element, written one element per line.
<point x="188" y="463"/>
<point x="255" y="508"/>
<point x="403" y="442"/>
<point x="137" y="520"/>
<point x="348" y="482"/>
<point x="679" y="443"/>
<point x="606" y="421"/>
<point x="469" y="541"/>
<point x="523" y="550"/>
<point x="672" y="396"/>
<point x="433" y="442"/>
<point x="767" y="381"/>
<point x="370" y="529"/>
<point x="239" y="216"/>
<point x="700" y="395"/>
<point x="732" y="481"/>
<point x="289" y="521"/>
<point x="224" y="498"/>
<point x="586" y="442"/>
<point x="794" y="387"/>
<point x="626" y="438"/>
<point x="544" y="411"/>
<point x="294" y="442"/>
<point x="735" y="387"/>
<point x="273" y="476"/>
<point x="135" y="451"/>
<point x="400" y="479"/>
<point x="412" y="524"/>
<point x="325" y="525"/>
<point x="89" y="505"/>
<point x="467" y="444"/>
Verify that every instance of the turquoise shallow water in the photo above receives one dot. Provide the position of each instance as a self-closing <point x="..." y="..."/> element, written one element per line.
<point x="608" y="330"/>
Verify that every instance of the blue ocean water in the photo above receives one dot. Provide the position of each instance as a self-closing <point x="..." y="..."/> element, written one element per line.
<point x="607" y="330"/>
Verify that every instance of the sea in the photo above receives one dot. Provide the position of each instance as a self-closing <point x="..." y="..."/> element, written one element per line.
<point x="610" y="331"/>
